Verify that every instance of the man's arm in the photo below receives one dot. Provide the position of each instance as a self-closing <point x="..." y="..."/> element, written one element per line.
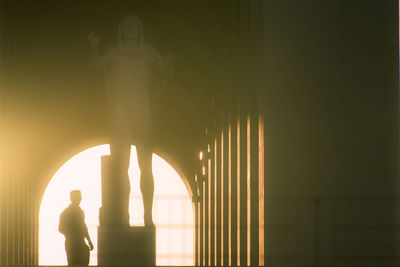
<point x="89" y="240"/>
<point x="86" y="233"/>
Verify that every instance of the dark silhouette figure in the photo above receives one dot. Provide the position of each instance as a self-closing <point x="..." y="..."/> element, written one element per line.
<point x="72" y="226"/>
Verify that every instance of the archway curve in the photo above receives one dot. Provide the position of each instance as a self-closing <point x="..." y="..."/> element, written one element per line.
<point x="83" y="170"/>
<point x="60" y="161"/>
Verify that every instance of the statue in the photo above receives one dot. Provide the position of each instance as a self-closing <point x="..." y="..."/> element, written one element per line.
<point x="134" y="73"/>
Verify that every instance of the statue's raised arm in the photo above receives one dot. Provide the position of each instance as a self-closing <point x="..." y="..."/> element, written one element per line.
<point x="99" y="61"/>
<point x="163" y="72"/>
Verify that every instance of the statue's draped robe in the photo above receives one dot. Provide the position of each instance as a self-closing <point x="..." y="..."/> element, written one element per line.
<point x="133" y="78"/>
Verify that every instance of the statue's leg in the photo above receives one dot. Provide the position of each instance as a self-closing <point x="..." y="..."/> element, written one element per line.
<point x="144" y="152"/>
<point x="120" y="149"/>
<point x="121" y="139"/>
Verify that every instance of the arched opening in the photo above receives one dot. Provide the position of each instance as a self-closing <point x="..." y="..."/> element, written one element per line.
<point x="172" y="210"/>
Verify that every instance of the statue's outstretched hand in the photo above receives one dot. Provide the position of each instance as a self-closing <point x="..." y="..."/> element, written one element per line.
<point x="170" y="56"/>
<point x="94" y="40"/>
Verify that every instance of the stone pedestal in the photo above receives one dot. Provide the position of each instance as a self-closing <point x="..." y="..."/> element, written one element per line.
<point x="117" y="243"/>
<point x="133" y="246"/>
<point x="115" y="189"/>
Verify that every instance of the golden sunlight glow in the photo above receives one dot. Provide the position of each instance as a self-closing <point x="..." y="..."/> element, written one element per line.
<point x="172" y="210"/>
<point x="201" y="155"/>
<point x="261" y="189"/>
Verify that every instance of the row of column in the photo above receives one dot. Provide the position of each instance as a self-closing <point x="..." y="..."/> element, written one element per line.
<point x="19" y="209"/>
<point x="230" y="210"/>
<point x="18" y="223"/>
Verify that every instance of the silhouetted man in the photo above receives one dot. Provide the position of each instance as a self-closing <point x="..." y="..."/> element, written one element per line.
<point x="72" y="226"/>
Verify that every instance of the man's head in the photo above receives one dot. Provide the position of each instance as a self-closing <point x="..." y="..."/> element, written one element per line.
<point x="76" y="197"/>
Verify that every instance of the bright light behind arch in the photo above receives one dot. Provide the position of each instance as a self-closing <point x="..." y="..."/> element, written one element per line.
<point x="172" y="209"/>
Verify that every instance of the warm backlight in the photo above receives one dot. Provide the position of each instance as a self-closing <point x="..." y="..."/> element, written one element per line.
<point x="172" y="210"/>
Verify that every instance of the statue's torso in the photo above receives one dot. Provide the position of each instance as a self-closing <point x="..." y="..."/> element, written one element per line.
<point x="128" y="80"/>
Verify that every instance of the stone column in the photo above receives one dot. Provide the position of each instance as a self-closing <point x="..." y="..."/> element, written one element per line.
<point x="115" y="189"/>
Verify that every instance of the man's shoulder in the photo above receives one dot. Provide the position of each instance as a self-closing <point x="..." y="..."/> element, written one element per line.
<point x="70" y="210"/>
<point x="66" y="210"/>
<point x="64" y="213"/>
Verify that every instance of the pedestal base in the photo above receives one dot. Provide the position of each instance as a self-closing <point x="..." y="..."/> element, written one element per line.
<point x="133" y="246"/>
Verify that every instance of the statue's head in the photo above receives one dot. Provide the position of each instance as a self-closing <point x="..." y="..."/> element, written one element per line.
<point x="130" y="27"/>
<point x="76" y="197"/>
